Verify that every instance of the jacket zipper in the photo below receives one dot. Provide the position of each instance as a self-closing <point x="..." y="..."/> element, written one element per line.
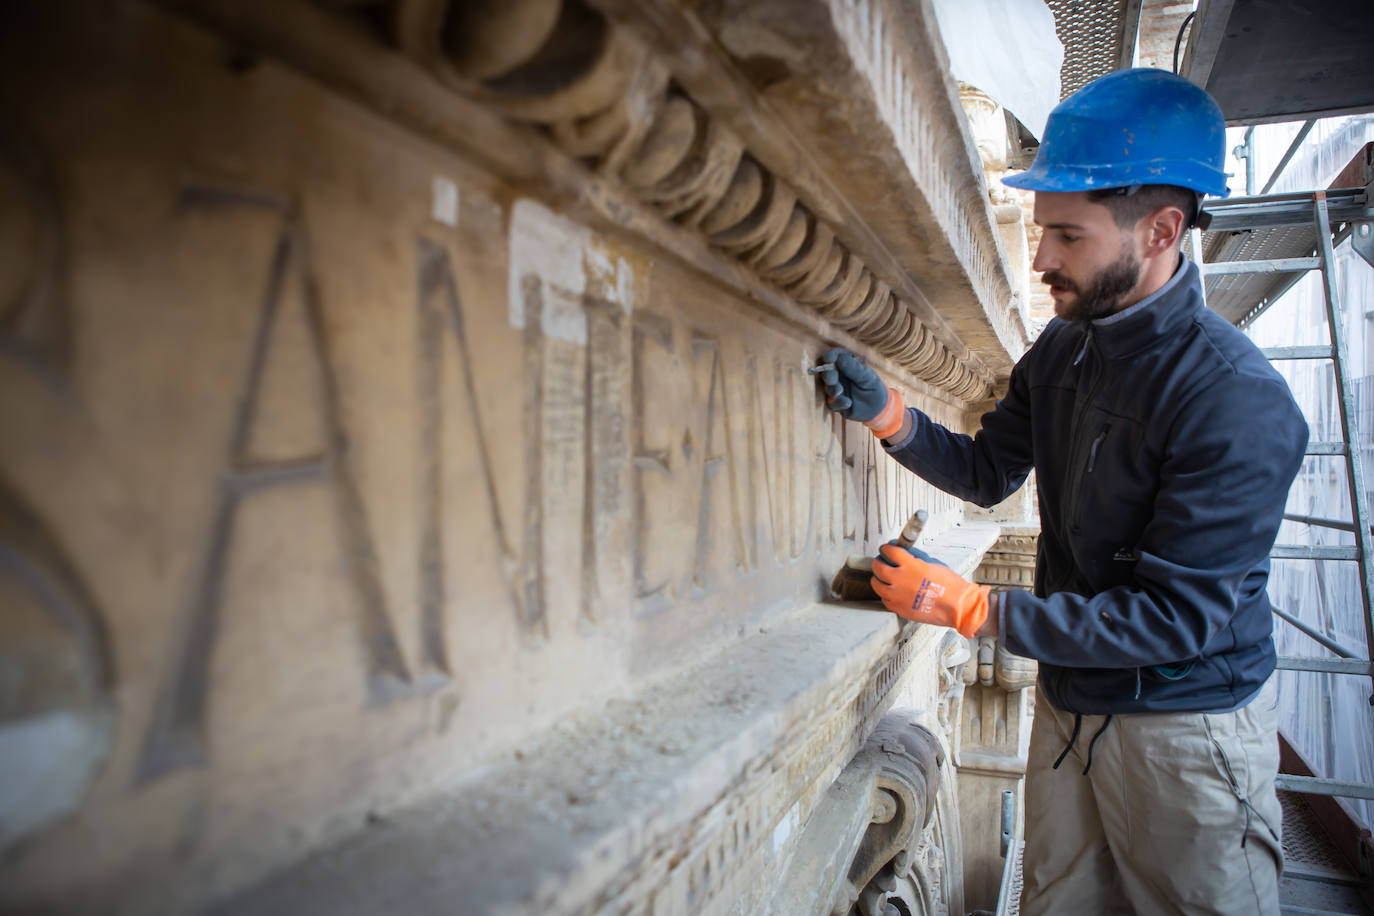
<point x="1097" y="443"/>
<point x="1087" y="336"/>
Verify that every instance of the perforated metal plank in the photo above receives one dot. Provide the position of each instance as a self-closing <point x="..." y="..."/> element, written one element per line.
<point x="1316" y="878"/>
<point x="1235" y="296"/>
<point x="1091" y="31"/>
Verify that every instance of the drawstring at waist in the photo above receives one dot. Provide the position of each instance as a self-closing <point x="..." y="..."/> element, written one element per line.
<point x="1077" y="725"/>
<point x="1098" y="734"/>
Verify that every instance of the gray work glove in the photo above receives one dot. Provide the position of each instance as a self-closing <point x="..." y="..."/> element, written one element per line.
<point x="852" y="389"/>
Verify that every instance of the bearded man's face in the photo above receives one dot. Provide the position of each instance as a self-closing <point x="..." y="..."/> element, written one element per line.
<point x="1099" y="294"/>
<point x="1090" y="264"/>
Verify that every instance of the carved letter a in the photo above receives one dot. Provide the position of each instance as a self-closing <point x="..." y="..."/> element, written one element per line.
<point x="177" y="736"/>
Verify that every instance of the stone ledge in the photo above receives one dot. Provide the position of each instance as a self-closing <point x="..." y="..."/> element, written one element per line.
<point x="586" y="805"/>
<point x="962" y="547"/>
<point x="992" y="763"/>
<point x="663" y="797"/>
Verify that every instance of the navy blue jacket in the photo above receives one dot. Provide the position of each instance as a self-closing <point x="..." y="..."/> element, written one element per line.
<point x="1164" y="445"/>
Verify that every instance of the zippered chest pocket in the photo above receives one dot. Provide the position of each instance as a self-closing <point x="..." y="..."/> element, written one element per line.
<point x="1117" y="483"/>
<point x="1097" y="444"/>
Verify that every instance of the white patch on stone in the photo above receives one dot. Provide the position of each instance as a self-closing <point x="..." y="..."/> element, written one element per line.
<point x="443" y="201"/>
<point x="785" y="828"/>
<point x="610" y="277"/>
<point x="551" y="248"/>
<point x="568" y="262"/>
<point x="47" y="761"/>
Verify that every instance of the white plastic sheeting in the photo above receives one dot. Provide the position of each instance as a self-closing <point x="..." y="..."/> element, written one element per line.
<point x="1009" y="50"/>
<point x="1327" y="717"/>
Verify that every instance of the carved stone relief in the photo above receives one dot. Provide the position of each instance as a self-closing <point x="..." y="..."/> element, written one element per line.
<point x="954" y="658"/>
<point x="1011" y="561"/>
<point x="603" y="98"/>
<point x="993" y="761"/>
<point x="872" y="839"/>
<point x="989" y="125"/>
<point x="379" y="462"/>
<point x="994" y="730"/>
<point x="392" y="465"/>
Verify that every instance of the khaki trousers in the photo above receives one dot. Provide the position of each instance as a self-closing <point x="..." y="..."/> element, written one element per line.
<point x="1177" y="813"/>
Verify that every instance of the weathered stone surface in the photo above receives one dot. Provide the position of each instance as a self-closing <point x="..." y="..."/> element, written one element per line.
<point x="694" y="772"/>
<point x="988" y="122"/>
<point x="364" y="424"/>
<point x="998" y="704"/>
<point x="681" y="800"/>
<point x="892" y="784"/>
<point x="55" y="704"/>
<point x="864" y="83"/>
<point x="1011" y="561"/>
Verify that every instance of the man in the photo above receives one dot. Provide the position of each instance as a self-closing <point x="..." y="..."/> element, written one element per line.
<point x="1164" y="446"/>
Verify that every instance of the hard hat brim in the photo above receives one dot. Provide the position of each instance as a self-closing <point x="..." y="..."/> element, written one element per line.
<point x="1061" y="177"/>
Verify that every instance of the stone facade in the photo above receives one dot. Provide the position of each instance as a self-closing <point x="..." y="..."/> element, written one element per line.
<point x="411" y="489"/>
<point x="997" y="705"/>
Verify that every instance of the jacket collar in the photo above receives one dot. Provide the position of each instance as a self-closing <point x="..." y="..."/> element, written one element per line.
<point x="1158" y="315"/>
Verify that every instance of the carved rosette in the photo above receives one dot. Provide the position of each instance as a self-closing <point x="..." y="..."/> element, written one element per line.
<point x="602" y="97"/>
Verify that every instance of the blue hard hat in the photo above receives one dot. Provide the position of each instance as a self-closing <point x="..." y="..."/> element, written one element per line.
<point x="1131" y="127"/>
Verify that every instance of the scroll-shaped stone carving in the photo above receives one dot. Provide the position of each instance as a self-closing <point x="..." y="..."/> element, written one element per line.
<point x="604" y="99"/>
<point x="1009" y="671"/>
<point x="992" y="716"/>
<point x="868" y="841"/>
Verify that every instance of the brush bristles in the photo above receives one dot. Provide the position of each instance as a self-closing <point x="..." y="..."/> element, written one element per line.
<point x="854" y="581"/>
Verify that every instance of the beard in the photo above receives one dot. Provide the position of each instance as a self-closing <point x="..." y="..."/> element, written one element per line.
<point x="1101" y="295"/>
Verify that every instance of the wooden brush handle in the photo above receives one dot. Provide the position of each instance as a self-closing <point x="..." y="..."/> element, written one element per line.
<point x="912" y="531"/>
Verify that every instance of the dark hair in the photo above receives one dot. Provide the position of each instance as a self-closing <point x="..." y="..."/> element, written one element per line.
<point x="1130" y="204"/>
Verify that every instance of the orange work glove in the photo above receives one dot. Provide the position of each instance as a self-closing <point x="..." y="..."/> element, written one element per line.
<point x="919" y="587"/>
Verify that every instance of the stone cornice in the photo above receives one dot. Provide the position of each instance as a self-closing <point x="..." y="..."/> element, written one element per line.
<point x="614" y="100"/>
<point x="604" y="95"/>
<point x="852" y="100"/>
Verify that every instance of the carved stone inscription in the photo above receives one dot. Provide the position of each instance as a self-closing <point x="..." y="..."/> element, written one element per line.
<point x="440" y="318"/>
<point x="177" y="737"/>
<point x="730" y="456"/>
<point x="360" y="484"/>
